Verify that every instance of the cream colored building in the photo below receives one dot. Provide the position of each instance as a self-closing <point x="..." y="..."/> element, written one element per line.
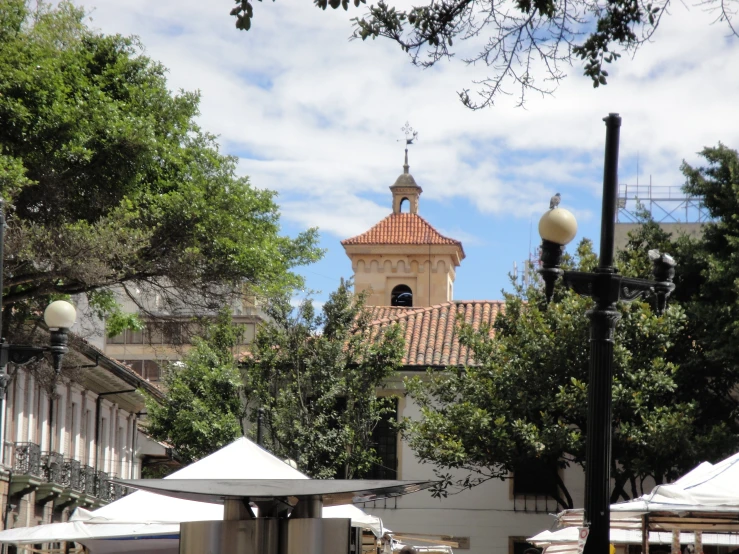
<point x="168" y="330"/>
<point x="409" y="270"/>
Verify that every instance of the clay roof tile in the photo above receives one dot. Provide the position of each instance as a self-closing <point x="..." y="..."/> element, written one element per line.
<point x="432" y="333"/>
<point x="403" y="228"/>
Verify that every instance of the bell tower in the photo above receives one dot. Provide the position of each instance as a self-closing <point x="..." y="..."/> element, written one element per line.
<point x="403" y="261"/>
<point x="405" y="188"/>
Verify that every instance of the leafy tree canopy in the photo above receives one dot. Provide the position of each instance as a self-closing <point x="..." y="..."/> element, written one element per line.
<point x="109" y="181"/>
<point x="527" y="44"/>
<point x="673" y="374"/>
<point x="316" y="376"/>
<point x="709" y="277"/>
<point x="203" y="406"/>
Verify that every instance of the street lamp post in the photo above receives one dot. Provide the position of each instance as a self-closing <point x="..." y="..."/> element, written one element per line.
<point x="558" y="227"/>
<point x="59" y="316"/>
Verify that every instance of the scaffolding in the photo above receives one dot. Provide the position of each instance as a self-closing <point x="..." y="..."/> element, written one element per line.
<point x="527" y="274"/>
<point x="667" y="204"/>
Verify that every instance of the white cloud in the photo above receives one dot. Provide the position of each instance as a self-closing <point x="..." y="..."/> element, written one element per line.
<point x="467" y="239"/>
<point x="341" y="215"/>
<point x="317" y="117"/>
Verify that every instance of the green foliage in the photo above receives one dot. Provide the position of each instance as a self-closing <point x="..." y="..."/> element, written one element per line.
<point x="709" y="283"/>
<point x="527" y="398"/>
<point x="104" y="305"/>
<point x="156" y="471"/>
<point x="203" y="408"/>
<point x="316" y="376"/>
<point x="109" y="180"/>
<point x="527" y="42"/>
<point x="675" y="376"/>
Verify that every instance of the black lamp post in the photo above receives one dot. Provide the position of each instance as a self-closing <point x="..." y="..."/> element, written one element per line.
<point x="59" y="317"/>
<point x="558" y="227"/>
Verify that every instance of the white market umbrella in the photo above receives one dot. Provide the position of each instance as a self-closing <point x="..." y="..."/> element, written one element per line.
<point x="157" y="518"/>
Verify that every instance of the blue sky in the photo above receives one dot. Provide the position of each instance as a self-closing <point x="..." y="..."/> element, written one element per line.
<point x="317" y="118"/>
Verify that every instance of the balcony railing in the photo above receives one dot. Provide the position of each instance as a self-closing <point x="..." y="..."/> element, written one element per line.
<point x="27" y="459"/>
<point x="102" y="486"/>
<point x="87" y="480"/>
<point x="52" y="467"/>
<point x="116" y="491"/>
<point x="71" y="474"/>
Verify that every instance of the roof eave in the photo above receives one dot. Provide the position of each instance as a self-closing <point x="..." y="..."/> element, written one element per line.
<point x="115" y="367"/>
<point x="454" y="250"/>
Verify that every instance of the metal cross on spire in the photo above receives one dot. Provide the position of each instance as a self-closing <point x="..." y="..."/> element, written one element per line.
<point x="410" y="136"/>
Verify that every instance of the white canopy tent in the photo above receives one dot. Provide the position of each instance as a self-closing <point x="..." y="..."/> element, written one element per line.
<point x="708" y="488"/>
<point x="703" y="501"/>
<point x="144" y="521"/>
<point x="564" y="541"/>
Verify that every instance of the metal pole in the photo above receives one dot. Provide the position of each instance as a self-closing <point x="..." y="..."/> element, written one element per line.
<point x="605" y="286"/>
<point x="610" y="190"/>
<point x="603" y="319"/>
<point x="598" y="442"/>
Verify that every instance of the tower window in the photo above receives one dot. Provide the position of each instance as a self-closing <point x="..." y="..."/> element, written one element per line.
<point x="404" y="202"/>
<point x="402" y="296"/>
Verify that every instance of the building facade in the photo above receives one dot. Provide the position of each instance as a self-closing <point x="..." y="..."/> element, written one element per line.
<point x="169" y="328"/>
<point x="65" y="441"/>
<point x="408" y="270"/>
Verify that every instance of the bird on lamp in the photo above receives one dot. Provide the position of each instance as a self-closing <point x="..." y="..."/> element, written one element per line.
<point x="554" y="201"/>
<point x="655" y="255"/>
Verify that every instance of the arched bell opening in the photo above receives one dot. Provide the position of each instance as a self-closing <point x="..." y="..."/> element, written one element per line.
<point x="402" y="296"/>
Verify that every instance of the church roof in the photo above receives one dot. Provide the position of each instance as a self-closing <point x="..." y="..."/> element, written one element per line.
<point x="402" y="228"/>
<point x="432" y="333"/>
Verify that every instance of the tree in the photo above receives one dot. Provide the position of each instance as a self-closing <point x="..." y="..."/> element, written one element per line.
<point x="525" y="43"/>
<point x="316" y="377"/>
<point x="710" y="273"/>
<point x="109" y="181"/>
<point x="526" y="399"/>
<point x="203" y="406"/>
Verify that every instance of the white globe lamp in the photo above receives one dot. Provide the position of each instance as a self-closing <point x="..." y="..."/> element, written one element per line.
<point x="60" y="314"/>
<point x="558" y="226"/>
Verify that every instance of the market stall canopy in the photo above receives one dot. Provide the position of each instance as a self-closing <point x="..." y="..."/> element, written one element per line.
<point x="332" y="492"/>
<point x="565" y="541"/>
<point x="705" y="499"/>
<point x="157" y="518"/>
<point x="242" y="459"/>
<point x="82" y="530"/>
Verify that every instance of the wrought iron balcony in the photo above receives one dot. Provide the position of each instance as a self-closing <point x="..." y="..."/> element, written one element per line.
<point x="52" y="467"/>
<point x="87" y="480"/>
<point x="71" y="474"/>
<point x="27" y="459"/>
<point x="102" y="486"/>
<point x="116" y="491"/>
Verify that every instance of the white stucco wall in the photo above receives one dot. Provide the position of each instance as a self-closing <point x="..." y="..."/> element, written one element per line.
<point x="486" y="514"/>
<point x="70" y="428"/>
